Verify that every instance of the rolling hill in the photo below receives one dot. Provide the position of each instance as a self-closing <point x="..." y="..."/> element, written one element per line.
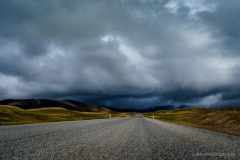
<point x="46" y="103"/>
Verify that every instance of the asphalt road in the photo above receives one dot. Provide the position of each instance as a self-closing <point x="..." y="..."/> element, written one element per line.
<point x="126" y="138"/>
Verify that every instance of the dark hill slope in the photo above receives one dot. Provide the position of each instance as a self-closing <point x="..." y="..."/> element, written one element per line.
<point x="46" y="103"/>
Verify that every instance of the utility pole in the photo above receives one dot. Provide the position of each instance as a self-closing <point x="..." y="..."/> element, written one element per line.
<point x="153" y="116"/>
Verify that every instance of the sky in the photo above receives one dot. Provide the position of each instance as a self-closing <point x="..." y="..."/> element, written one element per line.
<point x="122" y="53"/>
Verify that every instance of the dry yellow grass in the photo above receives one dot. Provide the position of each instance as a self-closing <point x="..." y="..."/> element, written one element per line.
<point x="13" y="115"/>
<point x="224" y="121"/>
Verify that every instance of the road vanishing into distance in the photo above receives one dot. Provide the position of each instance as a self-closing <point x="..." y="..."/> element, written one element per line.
<point x="117" y="138"/>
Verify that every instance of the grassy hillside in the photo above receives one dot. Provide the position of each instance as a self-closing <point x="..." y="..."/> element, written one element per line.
<point x="225" y="121"/>
<point x="14" y="115"/>
<point x="47" y="103"/>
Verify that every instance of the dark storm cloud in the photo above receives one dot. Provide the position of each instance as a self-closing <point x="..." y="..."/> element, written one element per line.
<point x="132" y="54"/>
<point x="224" y="22"/>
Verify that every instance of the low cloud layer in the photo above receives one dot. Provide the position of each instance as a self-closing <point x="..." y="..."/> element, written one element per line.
<point x="126" y="54"/>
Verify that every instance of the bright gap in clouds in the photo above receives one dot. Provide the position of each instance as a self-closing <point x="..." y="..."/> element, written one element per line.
<point x="193" y="6"/>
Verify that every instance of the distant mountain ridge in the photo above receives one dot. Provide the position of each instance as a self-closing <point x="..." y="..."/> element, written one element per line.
<point x="150" y="109"/>
<point x="46" y="103"/>
<point x="79" y="106"/>
<point x="121" y="109"/>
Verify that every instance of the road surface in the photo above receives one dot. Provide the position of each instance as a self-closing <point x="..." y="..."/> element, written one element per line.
<point x="117" y="138"/>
